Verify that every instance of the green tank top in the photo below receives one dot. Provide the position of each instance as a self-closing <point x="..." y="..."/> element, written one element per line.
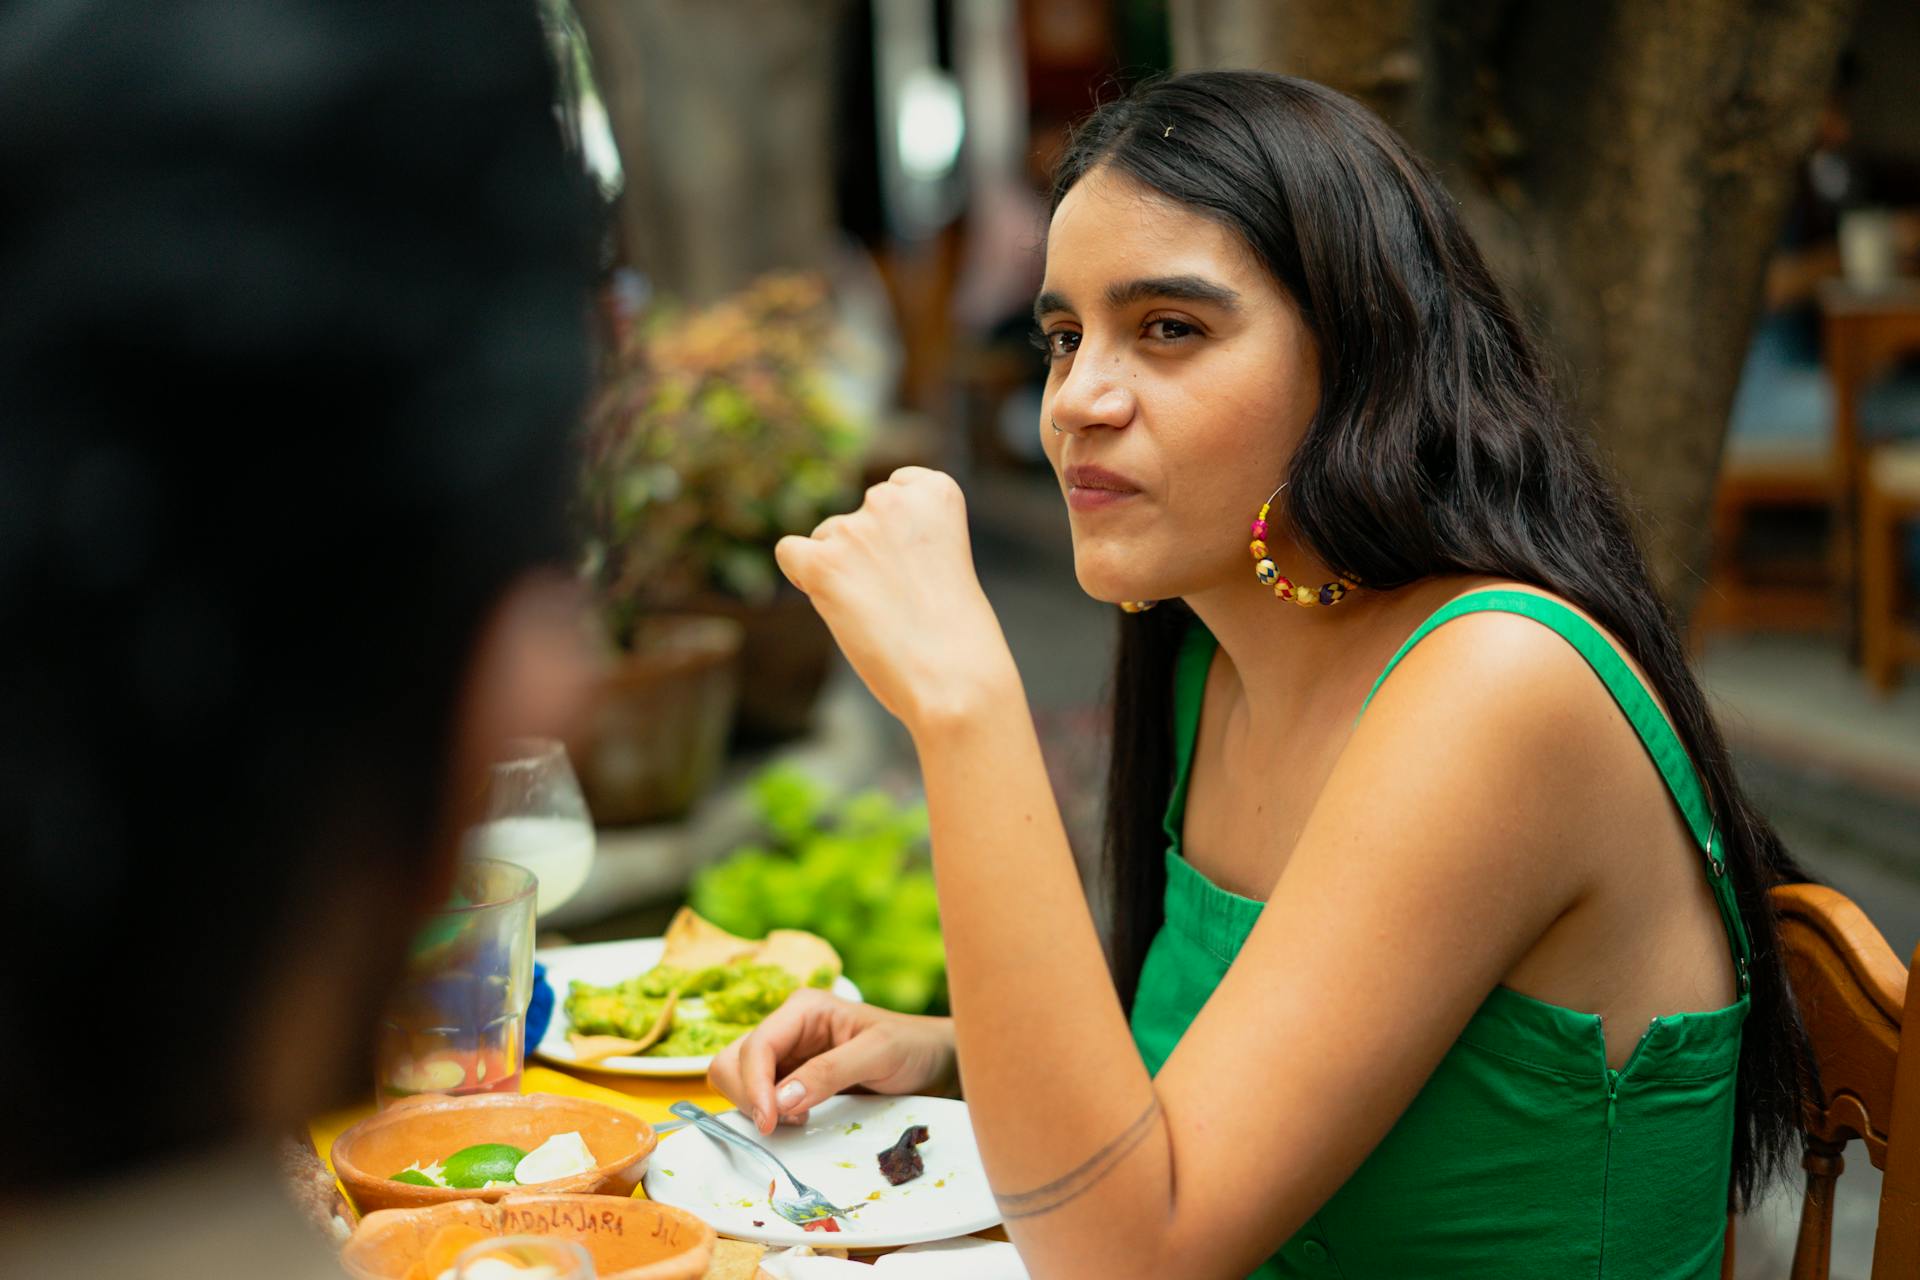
<point x="1524" y="1155"/>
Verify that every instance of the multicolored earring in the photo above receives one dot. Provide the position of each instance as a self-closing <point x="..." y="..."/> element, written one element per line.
<point x="1137" y="606"/>
<point x="1269" y="573"/>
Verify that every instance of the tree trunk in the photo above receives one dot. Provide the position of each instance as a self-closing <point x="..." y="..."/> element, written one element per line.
<point x="722" y="110"/>
<point x="1624" y="166"/>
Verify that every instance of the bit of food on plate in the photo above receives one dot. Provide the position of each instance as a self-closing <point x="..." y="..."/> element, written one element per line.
<point x="422" y="1175"/>
<point x="694" y="942"/>
<point x="602" y="1012"/>
<point x="901" y="1162"/>
<point x="700" y="1037"/>
<point x="709" y="989"/>
<point x="562" y="1156"/>
<point x="497" y="1164"/>
<point x="807" y="956"/>
<point x="735" y="1260"/>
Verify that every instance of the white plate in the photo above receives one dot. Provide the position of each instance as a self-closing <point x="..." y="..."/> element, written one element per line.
<point x="603" y="964"/>
<point x="728" y="1187"/>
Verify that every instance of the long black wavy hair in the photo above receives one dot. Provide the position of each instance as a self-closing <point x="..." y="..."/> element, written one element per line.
<point x="1438" y="449"/>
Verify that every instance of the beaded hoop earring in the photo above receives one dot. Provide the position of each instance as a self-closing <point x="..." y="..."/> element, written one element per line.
<point x="1269" y="573"/>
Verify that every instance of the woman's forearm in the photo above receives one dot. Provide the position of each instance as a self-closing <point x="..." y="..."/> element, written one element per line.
<point x="1066" y="1114"/>
<point x="1068" y="1120"/>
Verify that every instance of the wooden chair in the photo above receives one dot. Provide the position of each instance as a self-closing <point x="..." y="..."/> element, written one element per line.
<point x="1889" y="500"/>
<point x="1792" y="475"/>
<point x="1861" y="1008"/>
<point x="1864" y="333"/>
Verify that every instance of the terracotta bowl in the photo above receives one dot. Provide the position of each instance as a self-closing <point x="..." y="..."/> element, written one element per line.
<point x="434" y="1126"/>
<point x="628" y="1239"/>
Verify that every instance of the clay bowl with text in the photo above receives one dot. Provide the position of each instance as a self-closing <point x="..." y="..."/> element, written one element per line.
<point x="627" y="1239"/>
<point x="430" y="1127"/>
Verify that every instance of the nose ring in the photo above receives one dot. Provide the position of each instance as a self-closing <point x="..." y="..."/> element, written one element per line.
<point x="1055" y="426"/>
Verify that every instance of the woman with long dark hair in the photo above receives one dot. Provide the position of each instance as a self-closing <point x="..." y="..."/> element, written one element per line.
<point x="1441" y="943"/>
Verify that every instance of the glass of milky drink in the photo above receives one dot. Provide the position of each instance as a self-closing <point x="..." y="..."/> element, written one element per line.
<point x="457" y="1021"/>
<point x="537" y="818"/>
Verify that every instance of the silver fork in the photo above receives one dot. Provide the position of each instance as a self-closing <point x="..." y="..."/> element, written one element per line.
<point x="808" y="1204"/>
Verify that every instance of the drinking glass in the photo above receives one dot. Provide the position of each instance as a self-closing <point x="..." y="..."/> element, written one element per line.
<point x="524" y="1258"/>
<point x="457" y="1022"/>
<point x="537" y="819"/>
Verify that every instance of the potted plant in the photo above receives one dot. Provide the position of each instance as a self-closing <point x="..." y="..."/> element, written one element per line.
<point x="658" y="732"/>
<point x="713" y="437"/>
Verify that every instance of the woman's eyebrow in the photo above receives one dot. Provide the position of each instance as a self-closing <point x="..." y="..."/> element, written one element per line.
<point x="1181" y="288"/>
<point x="1128" y="292"/>
<point x="1049" y="302"/>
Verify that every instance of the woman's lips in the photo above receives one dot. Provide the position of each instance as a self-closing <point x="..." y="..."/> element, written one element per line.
<point x="1096" y="488"/>
<point x="1086" y="498"/>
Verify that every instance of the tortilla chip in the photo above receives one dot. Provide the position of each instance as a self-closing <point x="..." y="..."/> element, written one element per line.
<point x="694" y="944"/>
<point x="587" y="1049"/>
<point x="800" y="953"/>
<point x="591" y="1049"/>
<point x="735" y="1260"/>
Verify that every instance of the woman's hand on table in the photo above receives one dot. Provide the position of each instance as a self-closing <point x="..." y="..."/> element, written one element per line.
<point x="816" y="1045"/>
<point x="895" y="583"/>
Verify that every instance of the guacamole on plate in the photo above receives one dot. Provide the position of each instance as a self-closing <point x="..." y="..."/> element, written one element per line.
<point x="716" y="1005"/>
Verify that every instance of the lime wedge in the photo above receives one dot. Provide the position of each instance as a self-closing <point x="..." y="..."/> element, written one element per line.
<point x="471" y="1168"/>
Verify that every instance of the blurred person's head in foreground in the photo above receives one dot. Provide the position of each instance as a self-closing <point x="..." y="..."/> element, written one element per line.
<point x="291" y="350"/>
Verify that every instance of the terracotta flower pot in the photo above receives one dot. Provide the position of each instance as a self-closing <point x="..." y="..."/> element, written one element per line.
<point x="659" y="730"/>
<point x="627" y="1239"/>
<point x="784" y="661"/>
<point x="433" y="1126"/>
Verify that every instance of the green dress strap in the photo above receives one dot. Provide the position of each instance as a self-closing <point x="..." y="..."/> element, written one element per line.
<point x="1656" y="734"/>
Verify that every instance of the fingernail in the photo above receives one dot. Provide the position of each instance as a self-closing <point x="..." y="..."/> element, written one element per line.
<point x="790" y="1092"/>
<point x="758" y="1123"/>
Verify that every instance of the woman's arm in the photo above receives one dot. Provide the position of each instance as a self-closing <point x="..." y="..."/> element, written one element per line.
<point x="1422" y="877"/>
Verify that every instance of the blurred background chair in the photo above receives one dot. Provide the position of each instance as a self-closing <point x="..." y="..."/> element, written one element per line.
<point x="1867" y="334"/>
<point x="1772" y="563"/>
<point x="1889" y="506"/>
<point x="1787" y="551"/>
<point x="1859" y="1005"/>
